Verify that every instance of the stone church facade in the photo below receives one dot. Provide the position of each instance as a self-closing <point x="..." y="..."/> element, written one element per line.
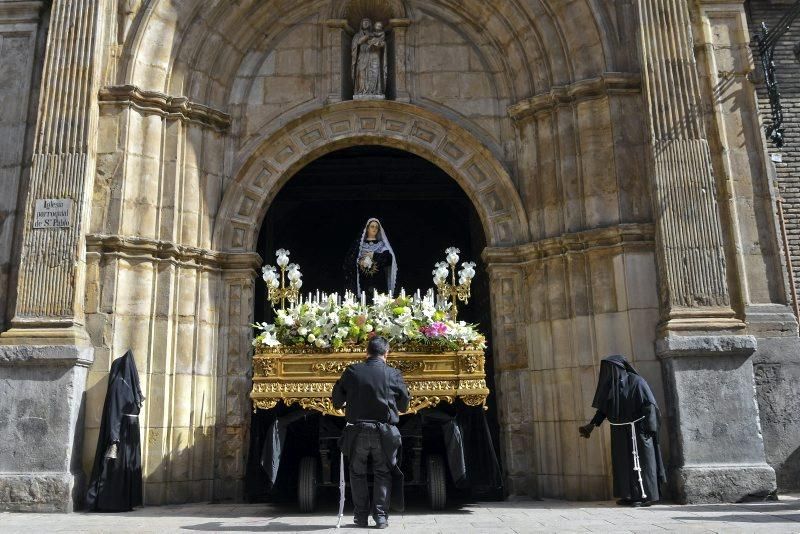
<point x="613" y="150"/>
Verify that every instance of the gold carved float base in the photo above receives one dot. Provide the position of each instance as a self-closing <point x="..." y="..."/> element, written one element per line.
<point x="307" y="379"/>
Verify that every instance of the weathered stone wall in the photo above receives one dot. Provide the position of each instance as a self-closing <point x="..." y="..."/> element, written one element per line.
<point x="777" y="369"/>
<point x="594" y="300"/>
<point x="151" y="289"/>
<point x="757" y="272"/>
<point x="788" y="77"/>
<point x="23" y="29"/>
<point x="450" y="75"/>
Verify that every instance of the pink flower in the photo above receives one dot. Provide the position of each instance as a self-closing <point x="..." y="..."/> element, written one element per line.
<point x="437" y="329"/>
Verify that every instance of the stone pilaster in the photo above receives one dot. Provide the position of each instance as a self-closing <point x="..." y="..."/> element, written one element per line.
<point x="336" y="42"/>
<point x="717" y="452"/>
<point x="507" y="283"/>
<point x="402" y="68"/>
<point x="21" y="43"/>
<point x="45" y="355"/>
<point x="689" y="242"/>
<point x="234" y="380"/>
<point x="50" y="288"/>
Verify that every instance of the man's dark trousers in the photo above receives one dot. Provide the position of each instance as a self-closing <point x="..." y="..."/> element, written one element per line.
<point x="368" y="447"/>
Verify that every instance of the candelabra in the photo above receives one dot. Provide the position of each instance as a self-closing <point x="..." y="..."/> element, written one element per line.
<point x="451" y="291"/>
<point x="277" y="290"/>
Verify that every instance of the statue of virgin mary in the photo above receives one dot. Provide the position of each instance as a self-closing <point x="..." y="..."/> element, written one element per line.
<point x="370" y="264"/>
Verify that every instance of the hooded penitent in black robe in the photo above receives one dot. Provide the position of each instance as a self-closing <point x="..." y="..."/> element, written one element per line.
<point x="116" y="483"/>
<point x="623" y="396"/>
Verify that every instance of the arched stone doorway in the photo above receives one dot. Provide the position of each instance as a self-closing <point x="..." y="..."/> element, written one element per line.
<point x="273" y="160"/>
<point x="317" y="214"/>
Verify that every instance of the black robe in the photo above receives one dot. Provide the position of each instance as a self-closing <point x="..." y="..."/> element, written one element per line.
<point x="376" y="279"/>
<point x="116" y="483"/>
<point x="623" y="396"/>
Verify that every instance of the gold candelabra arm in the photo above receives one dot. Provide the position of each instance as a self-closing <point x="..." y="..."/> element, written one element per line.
<point x="282" y="293"/>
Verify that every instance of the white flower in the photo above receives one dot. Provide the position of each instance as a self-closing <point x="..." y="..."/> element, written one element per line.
<point x="270" y="340"/>
<point x="368" y="328"/>
<point x="342" y="332"/>
<point x="302" y="330"/>
<point x="311" y="338"/>
<point x="284" y="318"/>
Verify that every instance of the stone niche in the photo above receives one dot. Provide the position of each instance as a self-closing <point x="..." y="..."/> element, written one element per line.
<point x="379" y="77"/>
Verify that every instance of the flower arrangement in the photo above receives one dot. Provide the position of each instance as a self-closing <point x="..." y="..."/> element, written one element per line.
<point x="330" y="323"/>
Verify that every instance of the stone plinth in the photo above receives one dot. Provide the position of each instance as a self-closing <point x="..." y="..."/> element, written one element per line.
<point x="717" y="451"/>
<point x="41" y="410"/>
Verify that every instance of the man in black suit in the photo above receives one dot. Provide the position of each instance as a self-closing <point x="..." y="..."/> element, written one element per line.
<point x="373" y="395"/>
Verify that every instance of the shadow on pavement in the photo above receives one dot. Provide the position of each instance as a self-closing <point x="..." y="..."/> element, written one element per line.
<point x="272" y="526"/>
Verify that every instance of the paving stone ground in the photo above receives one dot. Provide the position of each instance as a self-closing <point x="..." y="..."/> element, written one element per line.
<point x="513" y="517"/>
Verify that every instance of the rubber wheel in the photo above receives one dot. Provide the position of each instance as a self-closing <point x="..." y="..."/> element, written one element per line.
<point x="307" y="484"/>
<point x="437" y="483"/>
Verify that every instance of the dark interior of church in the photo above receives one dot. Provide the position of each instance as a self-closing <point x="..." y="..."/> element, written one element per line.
<point x="322" y="211"/>
<point x="323" y="208"/>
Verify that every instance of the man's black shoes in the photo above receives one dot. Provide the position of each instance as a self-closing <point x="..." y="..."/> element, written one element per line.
<point x="361" y="523"/>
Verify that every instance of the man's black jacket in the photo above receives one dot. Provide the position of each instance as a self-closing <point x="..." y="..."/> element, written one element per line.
<point x="373" y="392"/>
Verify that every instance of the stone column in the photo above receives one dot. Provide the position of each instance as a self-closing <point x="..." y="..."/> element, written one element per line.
<point x="43" y="358"/>
<point x="717" y="449"/>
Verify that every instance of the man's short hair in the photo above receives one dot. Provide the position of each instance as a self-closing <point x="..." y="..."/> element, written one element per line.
<point x="378" y="346"/>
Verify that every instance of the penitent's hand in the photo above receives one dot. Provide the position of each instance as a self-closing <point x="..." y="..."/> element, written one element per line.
<point x="586" y="430"/>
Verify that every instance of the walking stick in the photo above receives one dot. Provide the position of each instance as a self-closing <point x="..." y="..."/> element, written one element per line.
<point x="635" y="450"/>
<point x="341" y="489"/>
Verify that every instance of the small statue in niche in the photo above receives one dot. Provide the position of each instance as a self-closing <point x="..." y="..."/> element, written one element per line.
<point x="368" y="61"/>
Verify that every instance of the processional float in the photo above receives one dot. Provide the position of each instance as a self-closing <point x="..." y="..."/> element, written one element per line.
<point x="314" y="337"/>
<point x="299" y="356"/>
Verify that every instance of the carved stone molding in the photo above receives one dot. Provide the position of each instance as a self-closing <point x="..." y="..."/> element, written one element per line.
<point x="627" y="236"/>
<point x="177" y="107"/>
<point x="15" y="12"/>
<point x="608" y="83"/>
<point x="139" y="248"/>
<point x="272" y="159"/>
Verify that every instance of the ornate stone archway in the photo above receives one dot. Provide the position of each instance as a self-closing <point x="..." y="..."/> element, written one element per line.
<point x="273" y="159"/>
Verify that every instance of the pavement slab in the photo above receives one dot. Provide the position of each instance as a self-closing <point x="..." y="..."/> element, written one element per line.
<point x="510" y="517"/>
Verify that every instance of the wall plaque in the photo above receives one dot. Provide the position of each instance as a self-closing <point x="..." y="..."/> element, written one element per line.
<point x="52" y="213"/>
